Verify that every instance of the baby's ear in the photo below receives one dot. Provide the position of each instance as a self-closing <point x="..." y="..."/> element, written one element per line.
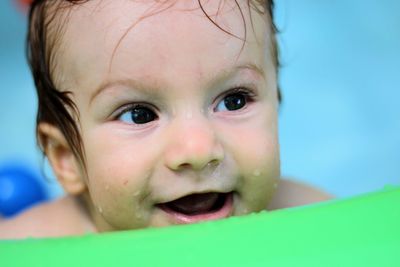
<point x="61" y="158"/>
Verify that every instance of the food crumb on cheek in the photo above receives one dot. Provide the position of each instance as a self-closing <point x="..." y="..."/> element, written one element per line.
<point x="125" y="182"/>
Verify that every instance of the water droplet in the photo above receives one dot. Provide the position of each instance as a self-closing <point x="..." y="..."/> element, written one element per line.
<point x="256" y="173"/>
<point x="100" y="209"/>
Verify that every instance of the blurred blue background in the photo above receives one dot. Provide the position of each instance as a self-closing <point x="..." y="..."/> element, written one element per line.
<point x="340" y="118"/>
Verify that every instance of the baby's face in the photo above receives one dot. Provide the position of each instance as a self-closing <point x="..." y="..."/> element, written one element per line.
<point x="179" y="125"/>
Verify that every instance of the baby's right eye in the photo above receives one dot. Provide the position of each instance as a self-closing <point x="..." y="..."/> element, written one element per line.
<point x="137" y="114"/>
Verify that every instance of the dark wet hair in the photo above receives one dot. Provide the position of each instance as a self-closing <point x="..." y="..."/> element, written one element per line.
<point x="55" y="106"/>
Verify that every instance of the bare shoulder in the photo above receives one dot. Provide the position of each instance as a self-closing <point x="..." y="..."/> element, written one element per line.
<point x="291" y="193"/>
<point x="54" y="219"/>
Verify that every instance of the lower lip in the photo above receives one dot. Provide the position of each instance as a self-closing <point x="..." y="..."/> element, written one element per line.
<point x="224" y="212"/>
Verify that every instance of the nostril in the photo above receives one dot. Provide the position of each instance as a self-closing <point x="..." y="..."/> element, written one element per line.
<point x="213" y="163"/>
<point x="198" y="165"/>
<point x="184" y="166"/>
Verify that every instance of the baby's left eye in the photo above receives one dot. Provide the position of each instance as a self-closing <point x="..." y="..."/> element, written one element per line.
<point x="233" y="101"/>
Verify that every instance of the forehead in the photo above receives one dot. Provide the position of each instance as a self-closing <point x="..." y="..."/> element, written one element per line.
<point x="154" y="40"/>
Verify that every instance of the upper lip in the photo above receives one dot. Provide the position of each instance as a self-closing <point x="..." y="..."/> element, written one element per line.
<point x="169" y="199"/>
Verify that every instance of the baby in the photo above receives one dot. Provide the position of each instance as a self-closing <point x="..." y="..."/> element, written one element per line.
<point x="155" y="113"/>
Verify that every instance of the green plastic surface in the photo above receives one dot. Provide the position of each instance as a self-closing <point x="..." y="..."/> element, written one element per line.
<point x="361" y="231"/>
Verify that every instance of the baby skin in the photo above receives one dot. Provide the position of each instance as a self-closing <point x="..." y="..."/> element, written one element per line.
<point x="177" y="117"/>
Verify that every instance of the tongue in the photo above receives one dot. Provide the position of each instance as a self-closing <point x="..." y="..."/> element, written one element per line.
<point x="194" y="204"/>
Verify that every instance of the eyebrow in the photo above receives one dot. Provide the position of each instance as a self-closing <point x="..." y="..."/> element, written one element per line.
<point x="222" y="75"/>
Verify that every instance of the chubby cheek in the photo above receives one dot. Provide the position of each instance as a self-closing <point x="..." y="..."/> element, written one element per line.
<point x="118" y="183"/>
<point x="261" y="178"/>
<point x="255" y="149"/>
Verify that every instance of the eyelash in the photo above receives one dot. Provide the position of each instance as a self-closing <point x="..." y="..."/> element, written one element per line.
<point x="248" y="94"/>
<point x="130" y="107"/>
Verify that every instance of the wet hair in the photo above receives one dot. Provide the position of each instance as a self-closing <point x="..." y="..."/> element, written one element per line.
<point x="44" y="33"/>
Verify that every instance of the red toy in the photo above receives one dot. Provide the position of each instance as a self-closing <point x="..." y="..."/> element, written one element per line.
<point x="23" y="5"/>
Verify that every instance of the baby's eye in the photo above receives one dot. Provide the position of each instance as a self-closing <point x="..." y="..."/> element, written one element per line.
<point x="233" y="102"/>
<point x="137" y="115"/>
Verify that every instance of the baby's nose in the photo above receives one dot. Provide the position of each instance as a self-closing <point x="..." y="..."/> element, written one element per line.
<point x="193" y="144"/>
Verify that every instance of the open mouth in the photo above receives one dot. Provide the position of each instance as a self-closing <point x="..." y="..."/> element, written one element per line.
<point x="199" y="207"/>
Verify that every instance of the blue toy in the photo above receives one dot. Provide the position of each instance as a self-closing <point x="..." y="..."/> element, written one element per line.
<point x="19" y="189"/>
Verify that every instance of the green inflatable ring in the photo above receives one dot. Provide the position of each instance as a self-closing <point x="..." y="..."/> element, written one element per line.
<point x="360" y="231"/>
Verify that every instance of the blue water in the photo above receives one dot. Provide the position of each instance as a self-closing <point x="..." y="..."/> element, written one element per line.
<point x="339" y="122"/>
